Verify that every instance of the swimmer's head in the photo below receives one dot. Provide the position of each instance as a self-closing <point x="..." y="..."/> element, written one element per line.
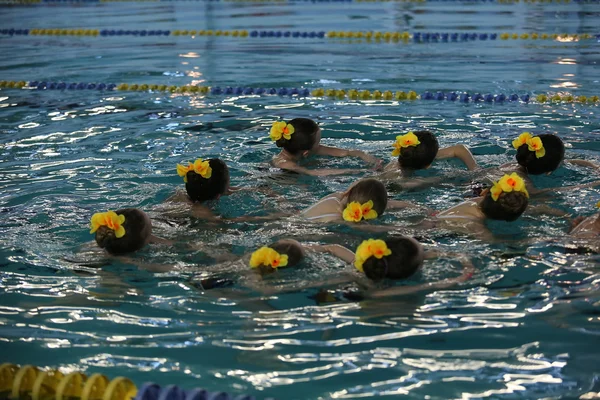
<point x="539" y="154"/>
<point x="507" y="199"/>
<point x="297" y="136"/>
<point x="122" y="231"/>
<point x="283" y="253"/>
<point x="416" y="150"/>
<point x="205" y="179"/>
<point x="393" y="258"/>
<point x="366" y="199"/>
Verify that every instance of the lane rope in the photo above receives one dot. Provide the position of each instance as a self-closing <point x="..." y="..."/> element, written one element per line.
<point x="32" y="383"/>
<point x="340" y="94"/>
<point x="470" y="2"/>
<point x="368" y="36"/>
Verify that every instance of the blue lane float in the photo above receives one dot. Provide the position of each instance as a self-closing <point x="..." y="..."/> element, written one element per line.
<point x="317" y="93"/>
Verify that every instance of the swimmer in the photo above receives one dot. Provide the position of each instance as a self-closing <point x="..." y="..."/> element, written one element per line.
<point x="301" y="138"/>
<point x="395" y="258"/>
<point x="251" y="269"/>
<point x="506" y="200"/>
<point x="366" y="199"/>
<point x="417" y="150"/>
<point x="124" y="231"/>
<point x="586" y="227"/>
<point x="205" y="180"/>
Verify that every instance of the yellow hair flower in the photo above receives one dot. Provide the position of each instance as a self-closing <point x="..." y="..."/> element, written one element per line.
<point x="535" y="144"/>
<point x="269" y="257"/>
<point x="182" y="170"/>
<point x="370" y="248"/>
<point x="355" y="211"/>
<point x="521" y="140"/>
<point x="111" y="220"/>
<point x="280" y="129"/>
<point x="507" y="184"/>
<point x="410" y="139"/>
<point x="598" y="204"/>
<point x="200" y="167"/>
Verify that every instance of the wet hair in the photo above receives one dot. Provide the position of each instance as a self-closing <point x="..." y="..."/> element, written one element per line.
<point x="303" y="138"/>
<point x="555" y="152"/>
<point x="291" y="248"/>
<point x="422" y="155"/>
<point x="369" y="189"/>
<point x="138" y="229"/>
<point x="508" y="207"/>
<point x="405" y="260"/>
<point x="201" y="189"/>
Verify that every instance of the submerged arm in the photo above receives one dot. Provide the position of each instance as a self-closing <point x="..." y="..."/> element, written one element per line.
<point x="583" y="163"/>
<point x="467" y="273"/>
<point x="335" y="152"/>
<point x="459" y="151"/>
<point x="340" y="252"/>
<point x="292" y="166"/>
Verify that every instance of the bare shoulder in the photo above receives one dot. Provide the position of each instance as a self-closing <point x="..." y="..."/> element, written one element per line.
<point x="180" y="196"/>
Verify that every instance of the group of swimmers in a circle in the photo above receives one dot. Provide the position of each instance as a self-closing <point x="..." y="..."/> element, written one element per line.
<point x="393" y="257"/>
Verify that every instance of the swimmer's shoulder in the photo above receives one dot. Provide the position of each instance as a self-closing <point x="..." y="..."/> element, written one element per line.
<point x="468" y="211"/>
<point x="327" y="209"/>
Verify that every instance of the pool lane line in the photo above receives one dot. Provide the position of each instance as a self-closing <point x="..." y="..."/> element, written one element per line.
<point x="340" y="94"/>
<point x="466" y="2"/>
<point x="31" y="382"/>
<point x="368" y="36"/>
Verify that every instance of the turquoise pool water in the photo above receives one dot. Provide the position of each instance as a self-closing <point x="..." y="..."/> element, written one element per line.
<point x="525" y="326"/>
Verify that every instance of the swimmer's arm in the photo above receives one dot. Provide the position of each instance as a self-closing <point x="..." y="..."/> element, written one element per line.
<point x="467" y="273"/>
<point x="583" y="163"/>
<point x="345" y="277"/>
<point x="334" y="249"/>
<point x="538" y="209"/>
<point x="575" y="222"/>
<point x="179" y="196"/>
<point x="265" y="189"/>
<point x="252" y="218"/>
<point x="291" y="166"/>
<point x="159" y="240"/>
<point x="399" y="205"/>
<point x="570" y="188"/>
<point x="335" y="152"/>
<point x="459" y="151"/>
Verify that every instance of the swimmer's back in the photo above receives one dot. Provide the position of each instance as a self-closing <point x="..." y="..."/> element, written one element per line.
<point x="465" y="211"/>
<point x="328" y="209"/>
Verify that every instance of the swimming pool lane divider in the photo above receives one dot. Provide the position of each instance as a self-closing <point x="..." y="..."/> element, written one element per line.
<point x="470" y="2"/>
<point x="369" y="36"/>
<point x="350" y="94"/>
<point x="31" y="383"/>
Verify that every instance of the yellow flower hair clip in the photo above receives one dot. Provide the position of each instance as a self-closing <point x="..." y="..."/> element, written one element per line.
<point x="279" y="129"/>
<point x="355" y="211"/>
<point x="269" y="257"/>
<point x="370" y="248"/>
<point x="111" y="220"/>
<point x="508" y="183"/>
<point x="598" y="204"/>
<point x="404" y="141"/>
<point x="521" y="140"/>
<point x="200" y="167"/>
<point x="534" y="143"/>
